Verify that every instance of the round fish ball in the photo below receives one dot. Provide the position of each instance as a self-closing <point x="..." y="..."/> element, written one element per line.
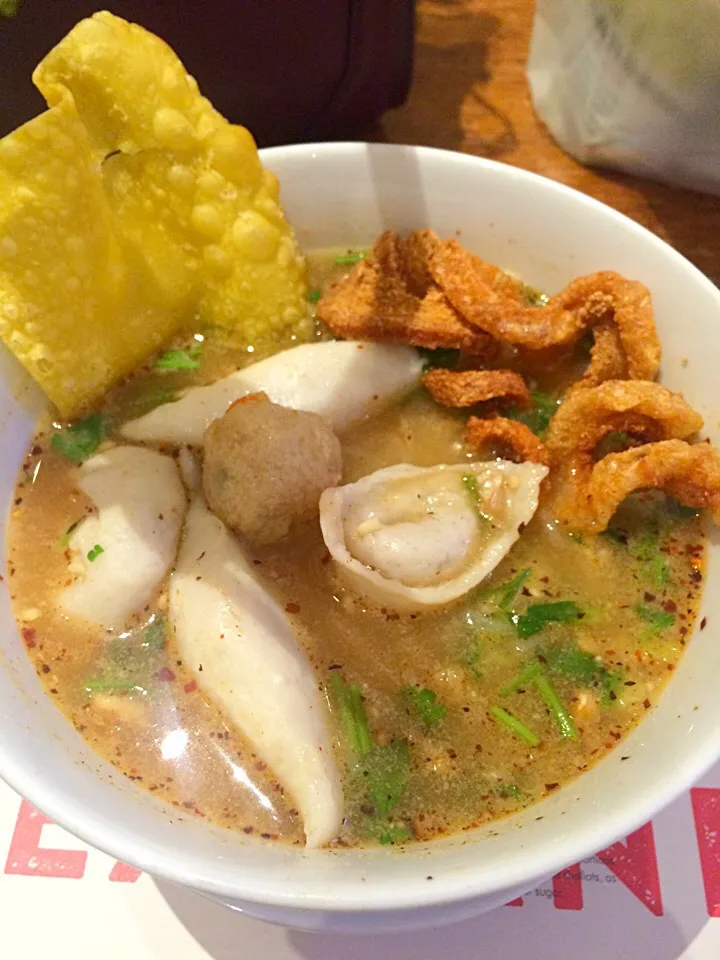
<point x="266" y="466"/>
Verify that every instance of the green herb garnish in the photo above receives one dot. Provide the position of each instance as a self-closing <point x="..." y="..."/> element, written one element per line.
<point x="514" y="725"/>
<point x="509" y="791"/>
<point x="537" y="418"/>
<point x="557" y="711"/>
<point x="425" y="704"/>
<point x="386" y="831"/>
<point x="179" y="359"/>
<point x="95" y="552"/>
<point x="522" y="680"/>
<point x="314" y="295"/>
<point x="539" y="615"/>
<point x="506" y="594"/>
<point x="349" y="258"/>
<point x="533" y="675"/>
<point x="348" y="698"/>
<point x="393" y="833"/>
<point x="654" y="566"/>
<point x="472" y="658"/>
<point x="387" y="771"/>
<point x="470" y="483"/>
<point x="155" y="633"/>
<point x="81" y="439"/>
<point x="657" y="620"/>
<point x="569" y="661"/>
<point x="444" y="357"/>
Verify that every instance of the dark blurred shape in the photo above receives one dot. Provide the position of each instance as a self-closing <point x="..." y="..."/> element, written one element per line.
<point x="289" y="70"/>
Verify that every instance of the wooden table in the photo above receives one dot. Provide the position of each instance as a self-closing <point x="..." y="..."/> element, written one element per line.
<point x="470" y="93"/>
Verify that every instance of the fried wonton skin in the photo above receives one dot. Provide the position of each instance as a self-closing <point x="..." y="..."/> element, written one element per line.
<point x="130" y="209"/>
<point x="72" y="310"/>
<point x="186" y="187"/>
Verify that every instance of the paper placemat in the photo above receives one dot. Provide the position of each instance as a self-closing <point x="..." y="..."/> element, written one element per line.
<point x="652" y="897"/>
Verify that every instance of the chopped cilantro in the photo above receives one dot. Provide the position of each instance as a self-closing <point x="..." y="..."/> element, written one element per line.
<point x="539" y="415"/>
<point x="81" y="439"/>
<point x="387" y="771"/>
<point x="447" y="358"/>
<point x="656" y="619"/>
<point x="539" y="615"/>
<point x="314" y="295"/>
<point x="470" y="483"/>
<point x="522" y="680"/>
<point x="179" y="359"/>
<point x="393" y="833"/>
<point x="348" y="698"/>
<point x="95" y="552"/>
<point x="571" y="662"/>
<point x="514" y="725"/>
<point x="653" y="563"/>
<point x="509" y="791"/>
<point x="425" y="704"/>
<point x="472" y="658"/>
<point x="349" y="258"/>
<point x="386" y="831"/>
<point x="506" y="594"/>
<point x="155" y="633"/>
<point x="558" y="712"/>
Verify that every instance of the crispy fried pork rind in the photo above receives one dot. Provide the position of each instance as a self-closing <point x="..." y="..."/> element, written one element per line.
<point x="644" y="410"/>
<point x="689" y="473"/>
<point x="632" y="406"/>
<point x="473" y="288"/>
<point x="510" y="434"/>
<point x="607" y="359"/>
<point x="72" y="309"/>
<point x="385" y="298"/>
<point x="129" y="209"/>
<point x="465" y="388"/>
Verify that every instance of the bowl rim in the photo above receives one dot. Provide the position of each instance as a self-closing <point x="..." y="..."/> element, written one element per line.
<point x="455" y="886"/>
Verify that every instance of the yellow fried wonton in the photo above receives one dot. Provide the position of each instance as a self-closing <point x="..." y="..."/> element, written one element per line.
<point x="131" y="209"/>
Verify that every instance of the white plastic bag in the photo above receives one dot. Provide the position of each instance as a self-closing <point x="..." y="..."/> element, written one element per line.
<point x="632" y="84"/>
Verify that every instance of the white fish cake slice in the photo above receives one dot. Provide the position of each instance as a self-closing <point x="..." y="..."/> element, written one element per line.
<point x="140" y="504"/>
<point x="244" y="654"/>
<point x="412" y="537"/>
<point x="341" y="380"/>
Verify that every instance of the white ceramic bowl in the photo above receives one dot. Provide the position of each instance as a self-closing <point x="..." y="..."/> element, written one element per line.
<point x="346" y="194"/>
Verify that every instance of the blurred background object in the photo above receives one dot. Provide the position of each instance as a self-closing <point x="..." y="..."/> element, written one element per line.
<point x="470" y="92"/>
<point x="632" y="84"/>
<point x="289" y="70"/>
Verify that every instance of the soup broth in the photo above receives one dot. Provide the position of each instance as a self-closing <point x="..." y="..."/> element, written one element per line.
<point x="458" y="727"/>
